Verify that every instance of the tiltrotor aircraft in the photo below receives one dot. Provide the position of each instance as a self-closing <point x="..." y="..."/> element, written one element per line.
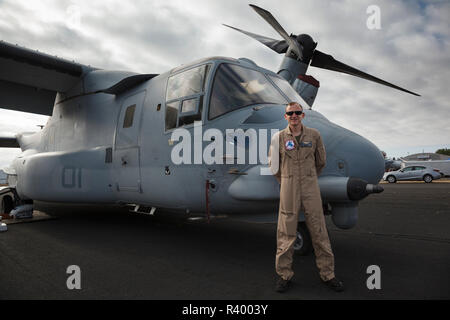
<point x="110" y="135"/>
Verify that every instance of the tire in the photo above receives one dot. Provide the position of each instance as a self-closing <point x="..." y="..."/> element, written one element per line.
<point x="427" y="178"/>
<point x="303" y="244"/>
<point x="391" y="179"/>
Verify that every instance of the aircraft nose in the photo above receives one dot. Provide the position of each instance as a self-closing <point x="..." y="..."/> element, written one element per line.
<point x="355" y="156"/>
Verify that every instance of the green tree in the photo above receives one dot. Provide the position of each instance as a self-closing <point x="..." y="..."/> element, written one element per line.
<point x="443" y="151"/>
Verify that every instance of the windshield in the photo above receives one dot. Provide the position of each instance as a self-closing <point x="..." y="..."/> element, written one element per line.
<point x="237" y="87"/>
<point x="288" y="90"/>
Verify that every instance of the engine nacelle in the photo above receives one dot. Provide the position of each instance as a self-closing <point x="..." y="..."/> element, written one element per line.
<point x="307" y="87"/>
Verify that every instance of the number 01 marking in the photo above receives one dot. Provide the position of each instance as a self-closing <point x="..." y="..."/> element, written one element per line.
<point x="71" y="177"/>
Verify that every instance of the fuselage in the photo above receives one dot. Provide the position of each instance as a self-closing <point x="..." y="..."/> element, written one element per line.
<point x="104" y="148"/>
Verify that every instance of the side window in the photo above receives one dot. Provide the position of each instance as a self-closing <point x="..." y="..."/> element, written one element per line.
<point x="129" y="116"/>
<point x="184" y="97"/>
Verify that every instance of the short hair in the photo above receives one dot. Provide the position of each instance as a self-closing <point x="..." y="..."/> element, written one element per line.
<point x="293" y="103"/>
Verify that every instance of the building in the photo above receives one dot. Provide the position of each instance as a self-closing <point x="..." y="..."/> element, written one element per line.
<point x="433" y="160"/>
<point x="426" y="157"/>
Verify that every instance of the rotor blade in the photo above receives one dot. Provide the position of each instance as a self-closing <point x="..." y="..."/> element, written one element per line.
<point x="326" y="61"/>
<point x="266" y="15"/>
<point x="279" y="46"/>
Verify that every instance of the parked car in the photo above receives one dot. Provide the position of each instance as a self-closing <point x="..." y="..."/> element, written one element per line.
<point x="440" y="172"/>
<point x="426" y="174"/>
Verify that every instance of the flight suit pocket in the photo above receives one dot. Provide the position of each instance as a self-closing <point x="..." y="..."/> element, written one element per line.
<point x="307" y="147"/>
<point x="287" y="223"/>
<point x="286" y="167"/>
<point x="286" y="194"/>
<point x="290" y="153"/>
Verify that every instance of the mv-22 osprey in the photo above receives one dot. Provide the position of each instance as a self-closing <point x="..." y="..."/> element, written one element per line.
<point x="109" y="138"/>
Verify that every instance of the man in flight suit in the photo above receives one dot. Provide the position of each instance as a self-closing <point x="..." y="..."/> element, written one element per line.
<point x="301" y="159"/>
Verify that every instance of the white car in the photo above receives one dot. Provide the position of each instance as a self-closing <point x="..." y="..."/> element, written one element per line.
<point x="426" y="174"/>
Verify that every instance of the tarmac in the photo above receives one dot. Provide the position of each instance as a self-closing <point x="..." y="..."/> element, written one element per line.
<point x="405" y="231"/>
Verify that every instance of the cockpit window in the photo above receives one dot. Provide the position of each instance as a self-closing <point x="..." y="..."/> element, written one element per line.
<point x="184" y="98"/>
<point x="186" y="83"/>
<point x="236" y="87"/>
<point x="287" y="89"/>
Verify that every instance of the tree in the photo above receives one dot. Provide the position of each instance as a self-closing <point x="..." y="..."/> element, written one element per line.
<point x="443" y="151"/>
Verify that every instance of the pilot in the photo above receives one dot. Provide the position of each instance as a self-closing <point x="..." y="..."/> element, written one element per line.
<point x="301" y="159"/>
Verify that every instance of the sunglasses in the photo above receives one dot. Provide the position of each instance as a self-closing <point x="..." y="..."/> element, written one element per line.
<point x="290" y="113"/>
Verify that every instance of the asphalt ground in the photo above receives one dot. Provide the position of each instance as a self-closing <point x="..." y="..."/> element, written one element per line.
<point x="404" y="231"/>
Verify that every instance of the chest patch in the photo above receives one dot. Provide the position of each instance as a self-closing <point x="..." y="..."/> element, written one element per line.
<point x="289" y="145"/>
<point x="306" y="144"/>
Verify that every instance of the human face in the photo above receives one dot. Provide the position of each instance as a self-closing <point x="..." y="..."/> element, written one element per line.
<point x="294" y="120"/>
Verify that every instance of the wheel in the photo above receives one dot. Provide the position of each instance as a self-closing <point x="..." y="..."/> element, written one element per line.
<point x="427" y="178"/>
<point x="303" y="244"/>
<point x="391" y="179"/>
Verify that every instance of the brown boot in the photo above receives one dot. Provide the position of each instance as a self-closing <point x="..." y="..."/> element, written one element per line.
<point x="335" y="285"/>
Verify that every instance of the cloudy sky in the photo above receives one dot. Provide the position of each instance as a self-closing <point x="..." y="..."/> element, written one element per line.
<point x="411" y="48"/>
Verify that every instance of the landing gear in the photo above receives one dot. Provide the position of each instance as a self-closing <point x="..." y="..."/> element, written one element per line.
<point x="7" y="204"/>
<point x="13" y="206"/>
<point x="303" y="244"/>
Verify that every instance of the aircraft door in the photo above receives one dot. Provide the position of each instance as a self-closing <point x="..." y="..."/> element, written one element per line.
<point x="126" y="146"/>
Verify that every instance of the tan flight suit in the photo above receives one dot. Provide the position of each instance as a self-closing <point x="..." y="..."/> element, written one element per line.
<point x="297" y="174"/>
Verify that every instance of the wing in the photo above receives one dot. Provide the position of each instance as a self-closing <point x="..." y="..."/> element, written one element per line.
<point x="8" y="141"/>
<point x="29" y="80"/>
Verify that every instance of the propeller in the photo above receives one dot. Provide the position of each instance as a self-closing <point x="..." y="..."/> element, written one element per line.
<point x="293" y="44"/>
<point x="304" y="48"/>
<point x="326" y="61"/>
<point x="279" y="46"/>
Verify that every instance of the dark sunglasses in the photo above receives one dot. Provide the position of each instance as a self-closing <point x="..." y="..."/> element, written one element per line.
<point x="290" y="113"/>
